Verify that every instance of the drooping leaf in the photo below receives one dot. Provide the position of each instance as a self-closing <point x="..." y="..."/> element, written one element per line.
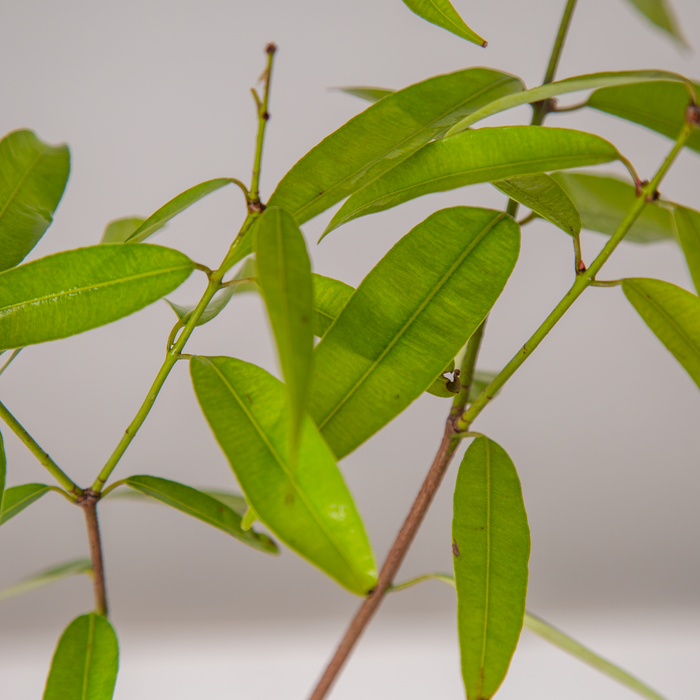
<point x="85" y="662"/>
<point x="441" y="13"/>
<point x="408" y="319"/>
<point x="17" y="498"/>
<point x="491" y="548"/>
<point x="119" y="230"/>
<point x="48" y="576"/>
<point x="33" y="176"/>
<point x="370" y="94"/>
<point x="309" y="508"/>
<point x="564" y="87"/>
<point x="687" y="223"/>
<point x="77" y="290"/>
<point x="382" y="136"/>
<point x="673" y="315"/>
<point x="330" y="296"/>
<point x="661" y="14"/>
<point x="484" y="155"/>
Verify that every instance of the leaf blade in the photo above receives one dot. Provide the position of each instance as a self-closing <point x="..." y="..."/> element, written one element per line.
<point x="687" y="223"/>
<point x="661" y="14"/>
<point x="119" y="230"/>
<point x="330" y="296"/>
<point x="443" y="14"/>
<point x="369" y="94"/>
<point x="47" y="577"/>
<point x="17" y="498"/>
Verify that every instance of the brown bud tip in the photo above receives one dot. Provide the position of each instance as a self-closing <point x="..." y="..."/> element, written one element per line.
<point x="271" y="48"/>
<point x="638" y="184"/>
<point x="485" y="44"/>
<point x="692" y="115"/>
<point x="581" y="266"/>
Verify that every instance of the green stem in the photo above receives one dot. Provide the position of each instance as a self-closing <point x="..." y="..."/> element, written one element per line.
<point x="12" y="357"/>
<point x="468" y="368"/>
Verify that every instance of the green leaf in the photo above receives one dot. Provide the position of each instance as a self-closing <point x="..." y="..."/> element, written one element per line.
<point x="17" y="498"/>
<point x="201" y="506"/>
<point x="603" y="203"/>
<point x="284" y="277"/>
<point x="564" y="87"/>
<point x="330" y="296"/>
<point x="477" y="156"/>
<point x="119" y="230"/>
<point x="234" y="501"/>
<point x="546" y="198"/>
<point x="77" y="290"/>
<point x="310" y="508"/>
<point x="491" y="547"/>
<point x="687" y="223"/>
<point x="33" y="176"/>
<point x="660" y="13"/>
<point x="657" y="106"/>
<point x="85" y="662"/>
<point x="408" y="319"/>
<point x="386" y="133"/>
<point x="441" y="13"/>
<point x="674" y="316"/>
<point x="371" y="94"/>
<point x="48" y="576"/>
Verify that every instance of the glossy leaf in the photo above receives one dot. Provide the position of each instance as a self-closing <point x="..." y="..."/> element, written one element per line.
<point x="603" y="203"/>
<point x="48" y="576"/>
<point x="443" y="14"/>
<point x="119" y="230"/>
<point x="309" y="508"/>
<point x="661" y="14"/>
<point x="33" y="176"/>
<point x="382" y="136"/>
<point x="17" y="498"/>
<point x="330" y="296"/>
<point x="284" y="277"/>
<point x="408" y="319"/>
<point x="85" y="662"/>
<point x="687" y="223"/>
<point x="564" y="87"/>
<point x="370" y="94"/>
<point x="657" y="106"/>
<point x="201" y="506"/>
<point x="673" y="315"/>
<point x="234" y="501"/>
<point x="491" y="548"/>
<point x="484" y="155"/>
<point x="77" y="290"/>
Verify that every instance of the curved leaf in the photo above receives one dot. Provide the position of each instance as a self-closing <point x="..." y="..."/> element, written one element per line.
<point x="85" y="662"/>
<point x="33" y="176"/>
<point x="441" y="13"/>
<point x="330" y="296"/>
<point x="660" y="13"/>
<point x="484" y="155"/>
<point x="77" y="290"/>
<point x="370" y="94"/>
<point x="309" y="508"/>
<point x="674" y="316"/>
<point x="687" y="223"/>
<point x="386" y="133"/>
<point x="408" y="319"/>
<point x="491" y="548"/>
<point x="48" y="576"/>
<point x="119" y="230"/>
<point x="17" y="498"/>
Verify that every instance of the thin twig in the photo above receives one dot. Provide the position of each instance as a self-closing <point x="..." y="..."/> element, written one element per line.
<point x="88" y="502"/>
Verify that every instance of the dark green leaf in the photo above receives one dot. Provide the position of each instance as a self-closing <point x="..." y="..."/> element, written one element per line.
<point x="309" y="508"/>
<point x="687" y="224"/>
<point x="408" y="319"/>
<point x="85" y="662"/>
<point x="77" y="290"/>
<point x="483" y="155"/>
<point x="330" y="296"/>
<point x="674" y="316"/>
<point x="119" y="230"/>
<point x="201" y="506"/>
<point x="660" y="13"/>
<point x="48" y="576"/>
<point x="441" y="13"/>
<point x="33" y="176"/>
<point x="382" y="136"/>
<point x="491" y="548"/>
<point x="17" y="498"/>
<point x="371" y="94"/>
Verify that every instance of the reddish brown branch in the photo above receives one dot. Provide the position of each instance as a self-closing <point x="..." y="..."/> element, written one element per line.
<point x="88" y="502"/>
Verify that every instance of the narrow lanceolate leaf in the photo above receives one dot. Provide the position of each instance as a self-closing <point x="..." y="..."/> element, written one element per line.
<point x="687" y="223"/>
<point x="386" y="133"/>
<point x="85" y="662"/>
<point x="661" y="14"/>
<point x="17" y="498"/>
<point x="441" y="13"/>
<point x="674" y="316"/>
<point x="308" y="507"/>
<point x="33" y="176"/>
<point x="284" y="277"/>
<point x="657" y="106"/>
<point x="545" y="197"/>
<point x="370" y="94"/>
<point x="408" y="319"/>
<point x="201" y="506"/>
<point x="491" y="548"/>
<point x="77" y="290"/>
<point x="234" y="501"/>
<point x="603" y="202"/>
<point x="119" y="230"/>
<point x="484" y="155"/>
<point x="330" y="296"/>
<point x="564" y="87"/>
<point x="48" y="576"/>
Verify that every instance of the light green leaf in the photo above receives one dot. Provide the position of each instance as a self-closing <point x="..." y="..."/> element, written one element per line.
<point x="564" y="87"/>
<point x="201" y="506"/>
<point x="370" y="94"/>
<point x="310" y="508"/>
<point x="408" y="319"/>
<point x="441" y="13"/>
<point x="85" y="662"/>
<point x="284" y="277"/>
<point x="660" y="13"/>
<point x="77" y="290"/>
<point x="48" y="576"/>
<point x="33" y="176"/>
<point x="674" y="316"/>
<point x="119" y="230"/>
<point x="484" y="155"/>
<point x="545" y="197"/>
<point x="234" y="501"/>
<point x="603" y="203"/>
<point x="491" y="548"/>
<point x="330" y="296"/>
<point x="382" y="136"/>
<point x="687" y="223"/>
<point x="17" y="498"/>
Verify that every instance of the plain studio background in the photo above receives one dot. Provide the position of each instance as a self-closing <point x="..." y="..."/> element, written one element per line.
<point x="153" y="97"/>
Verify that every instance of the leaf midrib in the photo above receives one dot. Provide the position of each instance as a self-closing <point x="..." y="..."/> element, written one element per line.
<point x="22" y="179"/>
<point x="482" y="665"/>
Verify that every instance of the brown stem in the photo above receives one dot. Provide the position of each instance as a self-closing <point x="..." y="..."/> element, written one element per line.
<point x="88" y="502"/>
